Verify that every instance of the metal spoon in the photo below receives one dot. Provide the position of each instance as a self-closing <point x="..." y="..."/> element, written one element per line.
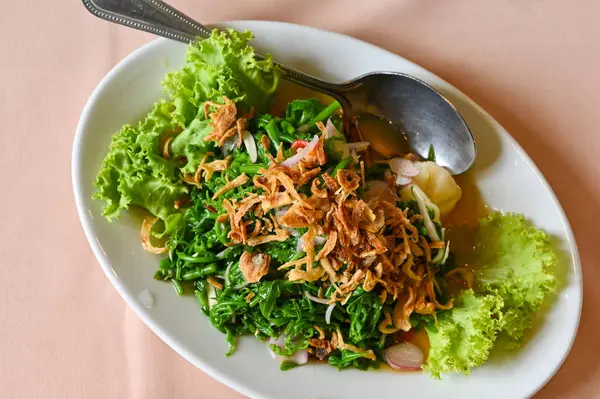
<point x="413" y="112"/>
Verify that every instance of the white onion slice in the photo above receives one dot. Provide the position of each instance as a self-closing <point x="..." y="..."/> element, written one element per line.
<point x="293" y="160"/>
<point x="223" y="252"/>
<point x="404" y="356"/>
<point x="331" y="130"/>
<point x="323" y="301"/>
<point x="300" y="357"/>
<point x="228" y="145"/>
<point x="212" y="296"/>
<point x="280" y="343"/>
<point x="250" y="146"/>
<point x="292" y="231"/>
<point x="239" y="287"/>
<point x="146" y="298"/>
<point x="328" y="313"/>
<point x="357" y="146"/>
<point x="317" y="240"/>
<point x="446" y="253"/>
<point x="423" y="211"/>
<point x="227" y="274"/>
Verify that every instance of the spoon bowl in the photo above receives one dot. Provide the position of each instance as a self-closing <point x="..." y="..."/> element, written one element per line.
<point x="412" y="116"/>
<point x="419" y="116"/>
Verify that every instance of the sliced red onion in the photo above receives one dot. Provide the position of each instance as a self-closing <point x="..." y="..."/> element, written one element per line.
<point x="404" y="170"/>
<point x="146" y="298"/>
<point x="403" y="180"/>
<point x="293" y="160"/>
<point x="300" y="357"/>
<point x="357" y="146"/>
<point x="331" y="130"/>
<point x="250" y="146"/>
<point x="404" y="356"/>
<point x="328" y="313"/>
<point x="403" y="167"/>
<point x="281" y="211"/>
<point x="418" y="194"/>
<point x="323" y="301"/>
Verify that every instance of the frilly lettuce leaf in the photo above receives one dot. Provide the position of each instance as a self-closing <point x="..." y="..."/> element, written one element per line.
<point x="514" y="264"/>
<point x="463" y="337"/>
<point x="134" y="171"/>
<point x="222" y="65"/>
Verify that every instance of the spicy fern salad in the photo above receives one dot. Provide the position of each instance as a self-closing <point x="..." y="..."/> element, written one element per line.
<point x="284" y="228"/>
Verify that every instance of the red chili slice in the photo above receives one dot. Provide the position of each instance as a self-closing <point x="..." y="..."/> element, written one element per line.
<point x="296" y="145"/>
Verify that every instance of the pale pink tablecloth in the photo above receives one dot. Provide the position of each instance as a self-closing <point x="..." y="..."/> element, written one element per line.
<point x="65" y="332"/>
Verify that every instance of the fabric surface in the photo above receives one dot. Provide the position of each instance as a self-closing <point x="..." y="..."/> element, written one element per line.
<point x="66" y="333"/>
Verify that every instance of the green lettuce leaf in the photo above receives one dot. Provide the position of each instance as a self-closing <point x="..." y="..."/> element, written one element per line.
<point x="133" y="172"/>
<point x="222" y="65"/>
<point x="463" y="337"/>
<point x="514" y="264"/>
<point x="515" y="261"/>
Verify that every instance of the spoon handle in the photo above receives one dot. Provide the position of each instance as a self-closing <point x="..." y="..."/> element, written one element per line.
<point x="156" y="16"/>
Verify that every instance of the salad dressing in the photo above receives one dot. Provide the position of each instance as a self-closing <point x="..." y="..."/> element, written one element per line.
<point x="463" y="220"/>
<point x="374" y="130"/>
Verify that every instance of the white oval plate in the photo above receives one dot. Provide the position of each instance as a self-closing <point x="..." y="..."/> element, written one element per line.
<point x="506" y="176"/>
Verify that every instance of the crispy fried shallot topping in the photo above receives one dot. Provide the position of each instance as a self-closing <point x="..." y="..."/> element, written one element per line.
<point x="145" y="233"/>
<point x="254" y="265"/>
